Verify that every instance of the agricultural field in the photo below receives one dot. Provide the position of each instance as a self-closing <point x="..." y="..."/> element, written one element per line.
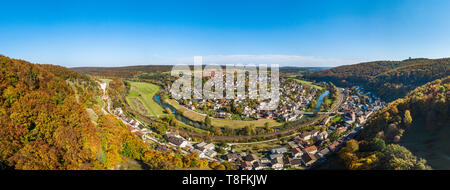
<point x="304" y="81"/>
<point x="217" y="122"/>
<point x="309" y="83"/>
<point x="140" y="98"/>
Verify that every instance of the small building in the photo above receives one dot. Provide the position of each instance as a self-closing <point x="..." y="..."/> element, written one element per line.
<point x="279" y="150"/>
<point x="259" y="166"/>
<point x="310" y="149"/>
<point x="231" y="157"/>
<point x="277" y="163"/>
<point x="322" y="136"/>
<point x="210" y="153"/>
<point x="323" y="152"/>
<point x="273" y="156"/>
<point x="264" y="160"/>
<point x="200" y="153"/>
<point x="251" y="158"/>
<point x="287" y="162"/>
<point x="309" y="134"/>
<point x="333" y="146"/>
<point x="296" y="163"/>
<point x="178" y="141"/>
<point x="296" y="152"/>
<point x="292" y="144"/>
<point x="308" y="159"/>
<point x="246" y="165"/>
<point x="203" y="146"/>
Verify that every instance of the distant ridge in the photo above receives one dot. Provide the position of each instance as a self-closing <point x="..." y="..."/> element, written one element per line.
<point x="388" y="79"/>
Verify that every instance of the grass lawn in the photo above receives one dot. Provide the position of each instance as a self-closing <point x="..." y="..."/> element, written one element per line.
<point x="92" y="115"/>
<point x="309" y="83"/>
<point x="256" y="148"/>
<point x="140" y="98"/>
<point x="100" y="101"/>
<point x="131" y="164"/>
<point x="216" y="122"/>
<point x="191" y="128"/>
<point x="336" y="119"/>
<point x="326" y="101"/>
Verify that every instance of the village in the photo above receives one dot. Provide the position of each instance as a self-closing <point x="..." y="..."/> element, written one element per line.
<point x="307" y="148"/>
<point x="300" y="151"/>
<point x="173" y="141"/>
<point x="294" y="99"/>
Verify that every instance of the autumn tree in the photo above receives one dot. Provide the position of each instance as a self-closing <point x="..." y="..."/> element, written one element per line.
<point x="407" y="119"/>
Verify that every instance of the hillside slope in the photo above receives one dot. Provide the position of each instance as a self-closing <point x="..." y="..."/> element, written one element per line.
<point x="44" y="124"/>
<point x="388" y="79"/>
<point x="124" y="72"/>
<point x="420" y="122"/>
<point x="408" y="129"/>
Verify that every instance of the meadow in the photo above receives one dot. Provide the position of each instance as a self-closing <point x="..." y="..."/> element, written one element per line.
<point x="140" y="98"/>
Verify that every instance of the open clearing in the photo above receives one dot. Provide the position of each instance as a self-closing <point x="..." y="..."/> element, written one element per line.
<point x="304" y="81"/>
<point x="309" y="83"/>
<point x="216" y="122"/>
<point x="257" y="148"/>
<point x="92" y="115"/>
<point x="137" y="105"/>
<point x="140" y="98"/>
<point x="99" y="101"/>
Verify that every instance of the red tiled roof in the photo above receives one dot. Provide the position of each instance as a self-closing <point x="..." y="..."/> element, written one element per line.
<point x="311" y="148"/>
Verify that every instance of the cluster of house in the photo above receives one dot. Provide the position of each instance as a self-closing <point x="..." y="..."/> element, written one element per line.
<point x="356" y="111"/>
<point x="298" y="155"/>
<point x="203" y="149"/>
<point x="298" y="152"/>
<point x="303" y="150"/>
<point x="133" y="125"/>
<point x="288" y="109"/>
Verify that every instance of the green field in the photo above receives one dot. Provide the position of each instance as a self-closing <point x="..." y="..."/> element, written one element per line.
<point x="304" y="81"/>
<point x="309" y="83"/>
<point x="99" y="101"/>
<point x="216" y="122"/>
<point x="140" y="98"/>
<point x="292" y="76"/>
<point x="336" y="119"/>
<point x="257" y="148"/>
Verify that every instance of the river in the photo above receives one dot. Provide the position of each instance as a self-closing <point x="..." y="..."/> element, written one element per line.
<point x="320" y="100"/>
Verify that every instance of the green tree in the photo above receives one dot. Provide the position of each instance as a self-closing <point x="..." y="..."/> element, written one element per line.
<point x="208" y="121"/>
<point x="397" y="157"/>
<point x="266" y="126"/>
<point x="407" y="119"/>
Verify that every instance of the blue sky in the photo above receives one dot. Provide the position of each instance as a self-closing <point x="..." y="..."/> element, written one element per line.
<point x="296" y="33"/>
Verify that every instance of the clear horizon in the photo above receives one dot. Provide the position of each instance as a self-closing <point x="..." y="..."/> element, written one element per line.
<point x="289" y="33"/>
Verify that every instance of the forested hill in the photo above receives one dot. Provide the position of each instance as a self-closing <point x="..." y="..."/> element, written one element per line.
<point x="388" y="79"/>
<point x="420" y="122"/>
<point x="45" y="124"/>
<point x="42" y="126"/>
<point x="124" y="72"/>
